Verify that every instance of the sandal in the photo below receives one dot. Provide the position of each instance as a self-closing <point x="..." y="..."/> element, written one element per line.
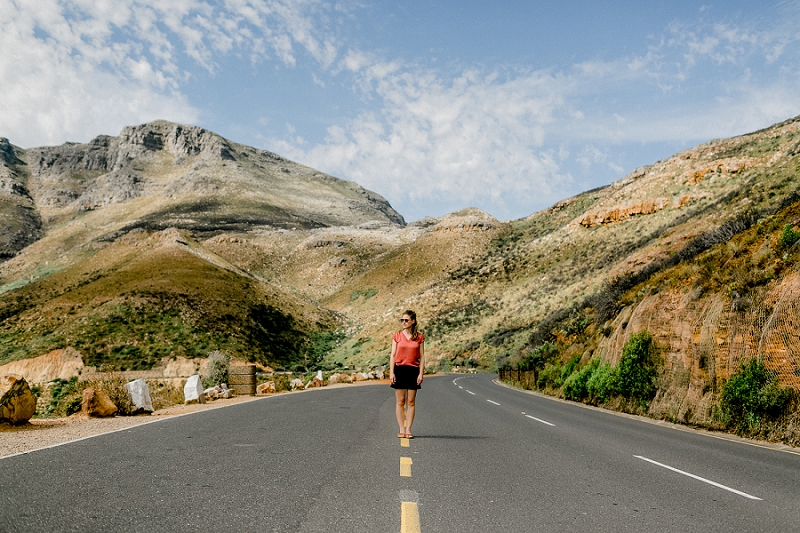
<point x="401" y="435"/>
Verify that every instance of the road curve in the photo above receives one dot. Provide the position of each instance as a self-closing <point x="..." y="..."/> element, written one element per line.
<point x="484" y="458"/>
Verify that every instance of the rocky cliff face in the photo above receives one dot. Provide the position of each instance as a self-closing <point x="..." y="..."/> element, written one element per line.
<point x="19" y="217"/>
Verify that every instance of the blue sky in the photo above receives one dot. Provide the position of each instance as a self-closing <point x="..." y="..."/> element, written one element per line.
<point x="509" y="106"/>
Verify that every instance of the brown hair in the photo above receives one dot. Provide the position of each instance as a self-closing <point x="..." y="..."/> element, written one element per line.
<point x="413" y="316"/>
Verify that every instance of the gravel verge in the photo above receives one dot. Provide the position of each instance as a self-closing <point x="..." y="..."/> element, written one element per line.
<point x="47" y="432"/>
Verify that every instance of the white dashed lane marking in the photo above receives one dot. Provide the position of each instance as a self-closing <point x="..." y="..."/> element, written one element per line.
<point x="704" y="480"/>
<point x="492" y="401"/>
<point x="539" y="420"/>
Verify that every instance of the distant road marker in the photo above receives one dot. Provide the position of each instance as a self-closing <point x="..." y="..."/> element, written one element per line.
<point x="491" y="401"/>
<point x="469" y="391"/>
<point x="540" y="420"/>
<point x="704" y="480"/>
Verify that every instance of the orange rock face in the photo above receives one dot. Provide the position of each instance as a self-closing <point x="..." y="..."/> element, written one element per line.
<point x="702" y="342"/>
<point x="626" y="211"/>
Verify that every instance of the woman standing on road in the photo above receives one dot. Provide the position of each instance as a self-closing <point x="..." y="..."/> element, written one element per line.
<point x="406" y="366"/>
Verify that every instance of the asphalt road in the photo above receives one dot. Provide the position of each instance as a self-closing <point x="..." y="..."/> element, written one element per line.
<point x="485" y="458"/>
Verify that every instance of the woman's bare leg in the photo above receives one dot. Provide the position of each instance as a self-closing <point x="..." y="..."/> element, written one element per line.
<point x="399" y="408"/>
<point x="410" y="409"/>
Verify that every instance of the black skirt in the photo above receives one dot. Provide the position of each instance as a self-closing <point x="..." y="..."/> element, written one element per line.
<point x="405" y="377"/>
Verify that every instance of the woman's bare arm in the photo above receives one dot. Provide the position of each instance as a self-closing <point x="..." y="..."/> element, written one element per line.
<point x="391" y="361"/>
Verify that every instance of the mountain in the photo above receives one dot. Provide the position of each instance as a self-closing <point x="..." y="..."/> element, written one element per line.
<point x="211" y="244"/>
<point x="95" y="234"/>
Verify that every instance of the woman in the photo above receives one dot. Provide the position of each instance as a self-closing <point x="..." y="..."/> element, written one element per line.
<point x="406" y="366"/>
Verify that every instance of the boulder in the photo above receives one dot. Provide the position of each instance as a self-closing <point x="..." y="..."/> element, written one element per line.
<point x="193" y="390"/>
<point x="377" y="373"/>
<point x="140" y="396"/>
<point x="266" y="388"/>
<point x="17" y="402"/>
<point x="219" y="392"/>
<point x="314" y="383"/>
<point x="360" y="376"/>
<point x="96" y="402"/>
<point x="343" y="378"/>
<point x="296" y="383"/>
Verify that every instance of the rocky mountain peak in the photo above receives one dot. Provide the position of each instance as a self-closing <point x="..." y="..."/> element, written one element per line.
<point x="8" y="153"/>
<point x="180" y="140"/>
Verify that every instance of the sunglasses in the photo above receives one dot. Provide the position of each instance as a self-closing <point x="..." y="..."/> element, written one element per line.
<point x="405" y="320"/>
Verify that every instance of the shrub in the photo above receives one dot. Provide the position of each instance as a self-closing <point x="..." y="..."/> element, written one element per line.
<point x="575" y="386"/>
<point x="751" y="394"/>
<point x="281" y="382"/>
<point x="164" y="394"/>
<point x="65" y="398"/>
<point x="550" y="377"/>
<point x="116" y="386"/>
<point x="602" y="384"/>
<point x="217" y="369"/>
<point x="570" y="368"/>
<point x="788" y="237"/>
<point x="636" y="372"/>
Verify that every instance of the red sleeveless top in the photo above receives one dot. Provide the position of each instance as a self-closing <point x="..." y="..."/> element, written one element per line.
<point x="407" y="353"/>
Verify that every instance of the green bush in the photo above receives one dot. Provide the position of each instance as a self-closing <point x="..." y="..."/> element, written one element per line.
<point x="751" y="394"/>
<point x="602" y="384"/>
<point x="575" y="386"/>
<point x="636" y="372"/>
<point x="788" y="237"/>
<point x="570" y="368"/>
<point x="550" y="377"/>
<point x="65" y="398"/>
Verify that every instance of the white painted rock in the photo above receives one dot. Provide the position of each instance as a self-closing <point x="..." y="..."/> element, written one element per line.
<point x="17" y="402"/>
<point x="140" y="396"/>
<point x="296" y="383"/>
<point x="193" y="390"/>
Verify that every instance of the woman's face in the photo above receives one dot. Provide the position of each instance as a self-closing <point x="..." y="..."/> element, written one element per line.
<point x="407" y="321"/>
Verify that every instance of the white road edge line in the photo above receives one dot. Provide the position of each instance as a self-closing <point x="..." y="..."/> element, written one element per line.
<point x="490" y="401"/>
<point x="704" y="480"/>
<point x="540" y="420"/>
<point x="469" y="391"/>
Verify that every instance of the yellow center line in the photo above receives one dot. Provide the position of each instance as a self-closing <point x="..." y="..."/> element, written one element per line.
<point x="409" y="518"/>
<point x="405" y="467"/>
<point x="404" y="442"/>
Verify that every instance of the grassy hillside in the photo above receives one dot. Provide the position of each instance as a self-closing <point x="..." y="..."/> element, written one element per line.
<point x="149" y="296"/>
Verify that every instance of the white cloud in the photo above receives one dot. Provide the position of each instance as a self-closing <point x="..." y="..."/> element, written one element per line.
<point x="501" y="139"/>
<point x="476" y="136"/>
<point x="71" y="69"/>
